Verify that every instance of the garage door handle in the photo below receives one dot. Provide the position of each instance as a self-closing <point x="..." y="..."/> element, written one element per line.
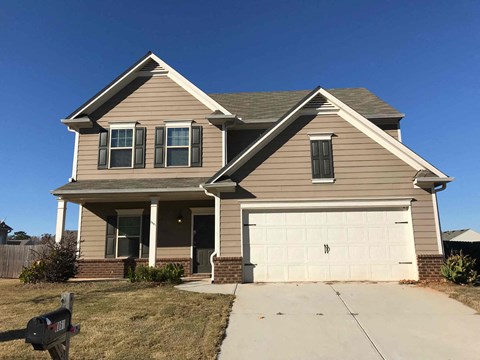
<point x="250" y="264"/>
<point x="326" y="248"/>
<point x="405" y="262"/>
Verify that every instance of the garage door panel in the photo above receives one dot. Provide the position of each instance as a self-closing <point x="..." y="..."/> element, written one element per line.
<point x="314" y="235"/>
<point x="296" y="273"/>
<point x="354" y="235"/>
<point x="295" y="235"/>
<point x="364" y="245"/>
<point x="275" y="255"/>
<point x="315" y="254"/>
<point x="318" y="272"/>
<point x="378" y="253"/>
<point x="336" y="234"/>
<point x="315" y="218"/>
<point x="296" y="255"/>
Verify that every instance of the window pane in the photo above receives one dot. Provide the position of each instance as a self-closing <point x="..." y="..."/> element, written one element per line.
<point x="178" y="137"/>
<point x="129" y="225"/>
<point x="177" y="157"/>
<point x="128" y="247"/>
<point x="121" y="138"/>
<point x="121" y="158"/>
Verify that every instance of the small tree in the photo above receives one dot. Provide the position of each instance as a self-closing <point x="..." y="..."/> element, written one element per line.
<point x="56" y="262"/>
<point x="20" y="235"/>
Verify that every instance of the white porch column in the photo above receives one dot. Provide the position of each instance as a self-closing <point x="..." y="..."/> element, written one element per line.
<point x="152" y="252"/>
<point x="61" y="212"/>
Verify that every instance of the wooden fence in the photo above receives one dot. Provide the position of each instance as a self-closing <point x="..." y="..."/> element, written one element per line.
<point x="14" y="257"/>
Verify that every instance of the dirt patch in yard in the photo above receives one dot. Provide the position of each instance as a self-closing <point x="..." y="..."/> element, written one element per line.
<point x="120" y="320"/>
<point x="466" y="294"/>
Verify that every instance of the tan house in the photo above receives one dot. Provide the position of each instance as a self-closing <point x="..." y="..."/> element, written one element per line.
<point x="266" y="187"/>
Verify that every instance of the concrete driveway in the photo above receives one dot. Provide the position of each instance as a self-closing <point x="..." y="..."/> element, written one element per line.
<point x="348" y="321"/>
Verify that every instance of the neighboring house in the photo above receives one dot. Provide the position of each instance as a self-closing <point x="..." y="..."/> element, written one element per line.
<point x="4" y="231"/>
<point x="467" y="235"/>
<point x="269" y="186"/>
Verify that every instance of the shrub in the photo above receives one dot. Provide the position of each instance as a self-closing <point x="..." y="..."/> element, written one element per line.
<point x="55" y="262"/>
<point x="460" y="269"/>
<point x="170" y="273"/>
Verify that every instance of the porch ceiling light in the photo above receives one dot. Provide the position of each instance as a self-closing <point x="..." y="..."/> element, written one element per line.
<point x="179" y="218"/>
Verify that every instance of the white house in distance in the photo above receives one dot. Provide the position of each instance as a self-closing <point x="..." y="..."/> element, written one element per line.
<point x="467" y="235"/>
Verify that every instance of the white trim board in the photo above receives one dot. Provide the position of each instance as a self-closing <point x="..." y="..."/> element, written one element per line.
<point x="111" y="90"/>
<point x="348" y="114"/>
<point x="326" y="204"/>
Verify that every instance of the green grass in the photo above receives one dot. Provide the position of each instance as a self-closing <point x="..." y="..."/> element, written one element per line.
<point x="120" y="320"/>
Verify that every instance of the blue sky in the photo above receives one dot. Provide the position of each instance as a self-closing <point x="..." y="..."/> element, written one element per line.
<point x="423" y="57"/>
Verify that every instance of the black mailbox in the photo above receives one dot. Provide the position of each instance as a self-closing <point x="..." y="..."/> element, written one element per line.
<point x="46" y="331"/>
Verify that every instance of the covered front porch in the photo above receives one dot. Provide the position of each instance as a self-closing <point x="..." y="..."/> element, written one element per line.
<point x="157" y="222"/>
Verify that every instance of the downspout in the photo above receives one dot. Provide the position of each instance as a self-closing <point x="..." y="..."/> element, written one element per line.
<point x="217" y="229"/>
<point x="437" y="215"/>
<point x="75" y="156"/>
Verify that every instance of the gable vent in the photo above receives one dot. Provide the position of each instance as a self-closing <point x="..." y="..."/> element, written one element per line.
<point x="320" y="102"/>
<point x="152" y="66"/>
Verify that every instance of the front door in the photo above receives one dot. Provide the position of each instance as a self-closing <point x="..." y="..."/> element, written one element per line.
<point x="203" y="242"/>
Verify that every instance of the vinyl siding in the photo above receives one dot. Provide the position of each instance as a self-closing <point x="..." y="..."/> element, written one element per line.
<point x="173" y="239"/>
<point x="363" y="169"/>
<point x="150" y="101"/>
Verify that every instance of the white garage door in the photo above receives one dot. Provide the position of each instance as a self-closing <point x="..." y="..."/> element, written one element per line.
<point x="328" y="245"/>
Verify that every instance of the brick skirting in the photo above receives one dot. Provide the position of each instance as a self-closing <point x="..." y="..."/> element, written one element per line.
<point x="228" y="270"/>
<point x="429" y="267"/>
<point x="118" y="268"/>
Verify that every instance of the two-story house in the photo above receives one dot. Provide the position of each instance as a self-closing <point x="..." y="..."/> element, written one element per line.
<point x="270" y="186"/>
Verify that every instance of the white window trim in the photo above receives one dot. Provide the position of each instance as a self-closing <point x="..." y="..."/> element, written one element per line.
<point x="323" y="181"/>
<point x="119" y="126"/>
<point x="321" y="136"/>
<point x="178" y="124"/>
<point x="127" y="214"/>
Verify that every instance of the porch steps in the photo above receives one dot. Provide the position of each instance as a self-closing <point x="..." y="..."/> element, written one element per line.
<point x="197" y="276"/>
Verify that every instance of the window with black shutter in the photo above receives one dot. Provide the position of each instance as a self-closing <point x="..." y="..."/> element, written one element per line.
<point x="322" y="158"/>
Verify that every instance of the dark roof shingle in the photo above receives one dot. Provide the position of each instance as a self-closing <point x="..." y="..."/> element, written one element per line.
<point x="272" y="105"/>
<point x="120" y="185"/>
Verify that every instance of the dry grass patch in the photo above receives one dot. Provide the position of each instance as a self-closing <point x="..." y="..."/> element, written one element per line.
<point x="120" y="320"/>
<point x="466" y="294"/>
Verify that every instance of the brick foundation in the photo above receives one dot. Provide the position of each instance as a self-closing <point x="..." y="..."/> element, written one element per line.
<point x="228" y="270"/>
<point x="429" y="267"/>
<point x="118" y="268"/>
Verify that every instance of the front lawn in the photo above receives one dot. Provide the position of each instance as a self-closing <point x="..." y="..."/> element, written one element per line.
<point x="120" y="320"/>
<point x="466" y="294"/>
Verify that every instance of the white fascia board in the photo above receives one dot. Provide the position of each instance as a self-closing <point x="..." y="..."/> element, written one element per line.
<point x="326" y="204"/>
<point x="264" y="139"/>
<point x="189" y="87"/>
<point x="380" y="136"/>
<point x="170" y="72"/>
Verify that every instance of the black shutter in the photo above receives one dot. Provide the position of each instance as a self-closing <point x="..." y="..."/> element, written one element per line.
<point x="103" y="150"/>
<point x="322" y="159"/>
<point x="326" y="159"/>
<point x="145" y="241"/>
<point x="111" y="237"/>
<point x="159" y="160"/>
<point x="315" y="152"/>
<point x="139" y="157"/>
<point x="196" y="147"/>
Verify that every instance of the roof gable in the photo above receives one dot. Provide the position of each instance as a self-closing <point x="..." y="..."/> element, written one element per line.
<point x="344" y="111"/>
<point x="148" y="65"/>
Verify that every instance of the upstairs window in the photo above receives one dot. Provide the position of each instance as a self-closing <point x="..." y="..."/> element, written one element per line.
<point x="322" y="158"/>
<point x="178" y="146"/>
<point x="122" y="145"/>
<point x="121" y="148"/>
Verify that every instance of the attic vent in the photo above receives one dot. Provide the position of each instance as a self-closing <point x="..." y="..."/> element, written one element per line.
<point x="320" y="102"/>
<point x="151" y="66"/>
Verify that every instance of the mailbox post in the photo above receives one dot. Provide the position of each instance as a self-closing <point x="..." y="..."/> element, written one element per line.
<point x="52" y="331"/>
